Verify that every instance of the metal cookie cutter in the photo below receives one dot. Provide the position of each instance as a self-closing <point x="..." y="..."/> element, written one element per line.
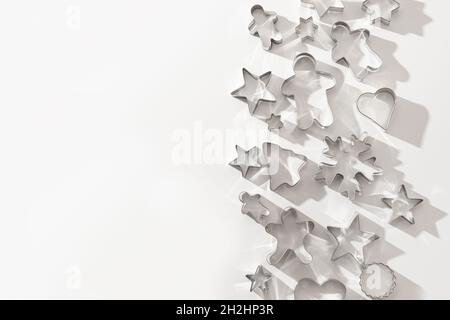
<point x="378" y="107"/>
<point x="283" y="165"/>
<point x="290" y="235"/>
<point x="274" y="123"/>
<point x="309" y="88"/>
<point x="252" y="207"/>
<point x="308" y="289"/>
<point x="263" y="26"/>
<point x="377" y="281"/>
<point x="347" y="161"/>
<point x="352" y="241"/>
<point x="381" y="10"/>
<point x="324" y="6"/>
<point x="402" y="205"/>
<point x="255" y="90"/>
<point x="306" y="29"/>
<point x="351" y="49"/>
<point x="246" y="160"/>
<point x="259" y="279"/>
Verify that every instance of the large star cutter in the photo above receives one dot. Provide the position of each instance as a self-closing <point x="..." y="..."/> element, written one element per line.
<point x="309" y="88"/>
<point x="246" y="160"/>
<point x="347" y="160"/>
<point x="259" y="279"/>
<point x="352" y="241"/>
<point x="255" y="90"/>
<point x="381" y="10"/>
<point x="290" y="235"/>
<point x="264" y="27"/>
<point x="402" y="205"/>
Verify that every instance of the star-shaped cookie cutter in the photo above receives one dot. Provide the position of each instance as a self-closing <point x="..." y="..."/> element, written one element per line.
<point x="255" y="90"/>
<point x="381" y="10"/>
<point x="402" y="205"/>
<point x="352" y="241"/>
<point x="263" y="26"/>
<point x="259" y="279"/>
<point x="246" y="160"/>
<point x="306" y="29"/>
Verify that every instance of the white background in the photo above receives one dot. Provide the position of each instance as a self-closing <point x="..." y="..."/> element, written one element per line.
<point x="92" y="93"/>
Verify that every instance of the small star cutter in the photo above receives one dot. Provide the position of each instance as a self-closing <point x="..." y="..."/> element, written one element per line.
<point x="309" y="88"/>
<point x="324" y="6"/>
<point x="263" y="26"/>
<point x="351" y="241"/>
<point x="402" y="205"/>
<point x="290" y="235"/>
<point x="351" y="49"/>
<point x="274" y="122"/>
<point x="255" y="90"/>
<point x="259" y="279"/>
<point x="306" y="29"/>
<point x="380" y="10"/>
<point x="246" y="159"/>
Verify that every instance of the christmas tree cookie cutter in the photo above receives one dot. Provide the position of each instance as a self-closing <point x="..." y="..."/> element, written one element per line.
<point x="309" y="87"/>
<point x="380" y="10"/>
<point x="283" y="165"/>
<point x="378" y="107"/>
<point x="351" y="49"/>
<point x="263" y="26"/>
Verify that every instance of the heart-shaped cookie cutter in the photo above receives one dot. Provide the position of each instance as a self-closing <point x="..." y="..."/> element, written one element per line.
<point x="381" y="117"/>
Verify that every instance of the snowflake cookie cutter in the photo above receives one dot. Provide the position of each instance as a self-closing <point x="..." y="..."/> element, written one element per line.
<point x="308" y="289"/>
<point x="348" y="162"/>
<point x="324" y="6"/>
<point x="263" y="26"/>
<point x="377" y="281"/>
<point x="378" y="107"/>
<point x="255" y="90"/>
<point x="309" y="87"/>
<point x="381" y="10"/>
<point x="290" y="235"/>
<point x="351" y="49"/>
